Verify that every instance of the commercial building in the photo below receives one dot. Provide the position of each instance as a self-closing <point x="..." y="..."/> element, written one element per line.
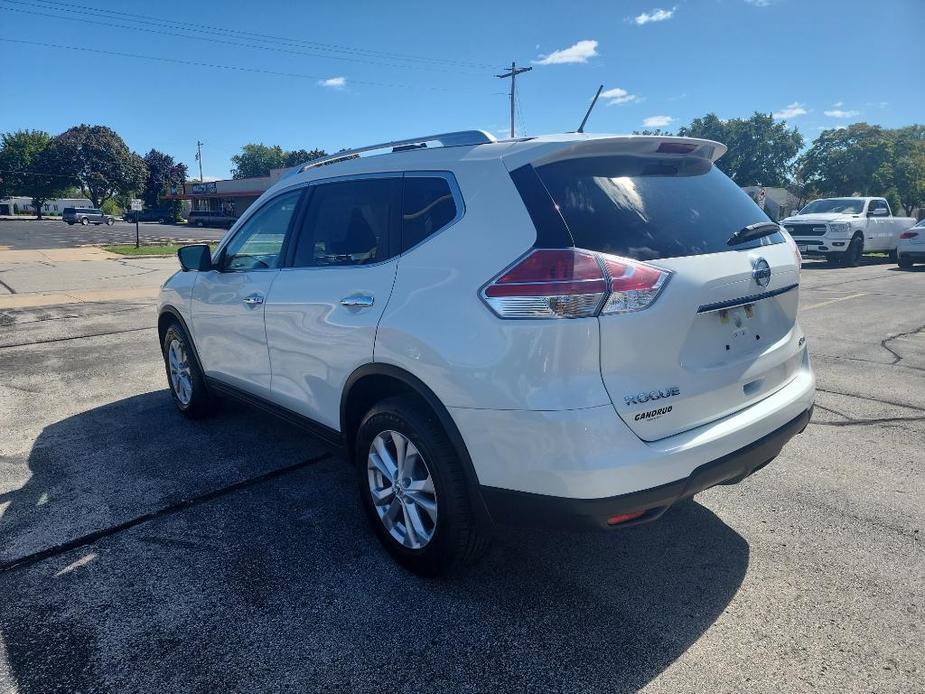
<point x="230" y="196"/>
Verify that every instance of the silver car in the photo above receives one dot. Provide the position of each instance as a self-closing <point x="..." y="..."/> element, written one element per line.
<point x="86" y="215"/>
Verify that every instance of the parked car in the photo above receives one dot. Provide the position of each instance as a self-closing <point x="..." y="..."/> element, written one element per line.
<point x="86" y="215"/>
<point x="568" y="330"/>
<point x="206" y="218"/>
<point x="164" y="215"/>
<point x="842" y="229"/>
<point x="911" y="246"/>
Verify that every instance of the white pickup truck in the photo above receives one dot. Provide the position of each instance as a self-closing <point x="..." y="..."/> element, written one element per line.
<point x="842" y="229"/>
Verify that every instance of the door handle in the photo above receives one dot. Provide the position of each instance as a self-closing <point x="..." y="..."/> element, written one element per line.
<point x="358" y="300"/>
<point x="252" y="300"/>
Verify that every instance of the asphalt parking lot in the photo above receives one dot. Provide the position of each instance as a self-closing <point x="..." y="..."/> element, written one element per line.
<point x="231" y="554"/>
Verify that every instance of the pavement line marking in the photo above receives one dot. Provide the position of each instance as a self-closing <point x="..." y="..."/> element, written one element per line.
<point x="181" y="505"/>
<point x="833" y="301"/>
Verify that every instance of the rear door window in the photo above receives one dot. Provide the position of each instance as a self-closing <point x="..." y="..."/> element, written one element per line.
<point x="348" y="223"/>
<point x="647" y="208"/>
<point x="427" y="207"/>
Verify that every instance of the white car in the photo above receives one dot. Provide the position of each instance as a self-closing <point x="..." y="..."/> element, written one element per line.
<point x="568" y="330"/>
<point x="911" y="246"/>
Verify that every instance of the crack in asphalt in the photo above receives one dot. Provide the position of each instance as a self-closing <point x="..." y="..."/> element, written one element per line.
<point x="75" y="337"/>
<point x="176" y="507"/>
<point x="870" y="399"/>
<point x="897" y="357"/>
<point x="44" y="319"/>
<point x="837" y="357"/>
<point x="858" y="421"/>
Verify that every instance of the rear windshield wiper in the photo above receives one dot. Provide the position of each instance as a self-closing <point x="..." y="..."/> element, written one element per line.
<point x="752" y="231"/>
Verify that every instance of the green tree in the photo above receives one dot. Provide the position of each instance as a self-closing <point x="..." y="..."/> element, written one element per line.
<point x="162" y="173"/>
<point x="909" y="166"/>
<point x="300" y="156"/>
<point x="257" y="160"/>
<point x="856" y="160"/>
<point x="760" y="150"/>
<point x="22" y="169"/>
<point x="97" y="160"/>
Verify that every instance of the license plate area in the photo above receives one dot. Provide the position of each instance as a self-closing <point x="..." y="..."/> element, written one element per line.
<point x="737" y="328"/>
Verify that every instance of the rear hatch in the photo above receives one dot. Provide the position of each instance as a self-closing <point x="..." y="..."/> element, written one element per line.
<point x="721" y="334"/>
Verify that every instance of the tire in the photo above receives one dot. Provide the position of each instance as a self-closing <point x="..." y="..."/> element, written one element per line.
<point x="447" y="539"/>
<point x="905" y="262"/>
<point x="110" y="222"/>
<point x="833" y="258"/>
<point x="200" y="224"/>
<point x="84" y="221"/>
<point x="184" y="377"/>
<point x="852" y="257"/>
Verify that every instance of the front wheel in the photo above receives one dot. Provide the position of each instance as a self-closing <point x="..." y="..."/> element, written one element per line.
<point x="84" y="221"/>
<point x="110" y="221"/>
<point x="905" y="262"/>
<point x="187" y="385"/>
<point x="414" y="490"/>
<point x="852" y="257"/>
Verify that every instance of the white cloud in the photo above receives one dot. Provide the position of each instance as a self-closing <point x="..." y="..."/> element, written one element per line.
<point x="655" y="15"/>
<point x="578" y="53"/>
<point x="657" y="121"/>
<point x="333" y="82"/>
<point x="838" y="113"/>
<point x="838" y="104"/>
<point x="619" y="96"/>
<point x="791" y="111"/>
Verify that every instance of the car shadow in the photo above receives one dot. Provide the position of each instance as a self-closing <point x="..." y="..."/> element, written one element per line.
<point x="281" y="585"/>
<point x="821" y="264"/>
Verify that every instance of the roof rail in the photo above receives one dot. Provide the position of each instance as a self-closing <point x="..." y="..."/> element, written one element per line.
<point x="461" y="138"/>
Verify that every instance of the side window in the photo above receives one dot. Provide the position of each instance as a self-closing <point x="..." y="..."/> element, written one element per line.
<point x="347" y="223"/>
<point x="258" y="243"/>
<point x="427" y="206"/>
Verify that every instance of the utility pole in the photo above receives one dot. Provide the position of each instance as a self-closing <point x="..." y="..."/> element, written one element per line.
<point x="512" y="73"/>
<point x="199" y="158"/>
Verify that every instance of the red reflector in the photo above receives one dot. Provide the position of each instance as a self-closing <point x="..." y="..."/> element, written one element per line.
<point x="908" y="234"/>
<point x="676" y="148"/>
<point x="624" y="517"/>
<point x="551" y="272"/>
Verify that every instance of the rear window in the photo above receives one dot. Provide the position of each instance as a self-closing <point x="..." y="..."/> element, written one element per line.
<point x="68" y="210"/>
<point x="647" y="208"/>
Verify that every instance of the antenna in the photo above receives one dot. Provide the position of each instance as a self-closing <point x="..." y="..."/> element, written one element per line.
<point x="581" y="128"/>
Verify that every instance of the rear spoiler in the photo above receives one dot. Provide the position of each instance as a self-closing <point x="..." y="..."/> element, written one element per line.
<point x="542" y="151"/>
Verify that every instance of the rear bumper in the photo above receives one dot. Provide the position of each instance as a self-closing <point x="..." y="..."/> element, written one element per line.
<point x="511" y="507"/>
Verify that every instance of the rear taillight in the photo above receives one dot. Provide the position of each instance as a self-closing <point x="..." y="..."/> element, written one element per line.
<point x="908" y="234"/>
<point x="573" y="283"/>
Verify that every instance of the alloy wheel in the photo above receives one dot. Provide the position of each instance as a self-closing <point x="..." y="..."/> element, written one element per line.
<point x="402" y="489"/>
<point x="181" y="379"/>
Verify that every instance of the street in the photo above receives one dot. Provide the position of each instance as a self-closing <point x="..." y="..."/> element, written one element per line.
<point x="143" y="552"/>
<point x="53" y="233"/>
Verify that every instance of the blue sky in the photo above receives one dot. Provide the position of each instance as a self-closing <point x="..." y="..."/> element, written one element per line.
<point x="363" y="71"/>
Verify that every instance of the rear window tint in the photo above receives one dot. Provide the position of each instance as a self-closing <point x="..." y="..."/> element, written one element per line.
<point x="647" y="208"/>
<point x="427" y="206"/>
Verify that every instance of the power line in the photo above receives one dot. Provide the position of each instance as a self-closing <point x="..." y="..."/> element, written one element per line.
<point x="223" y="31"/>
<point x="196" y="63"/>
<point x="230" y="42"/>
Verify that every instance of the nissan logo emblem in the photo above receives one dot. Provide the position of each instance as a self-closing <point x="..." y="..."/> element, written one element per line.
<point x="761" y="271"/>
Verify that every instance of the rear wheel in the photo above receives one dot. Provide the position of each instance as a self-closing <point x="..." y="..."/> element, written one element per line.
<point x="84" y="221"/>
<point x="413" y="489"/>
<point x="110" y="221"/>
<point x="905" y="262"/>
<point x="187" y="385"/>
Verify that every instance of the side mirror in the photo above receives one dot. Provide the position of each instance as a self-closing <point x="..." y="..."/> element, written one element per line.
<point x="195" y="257"/>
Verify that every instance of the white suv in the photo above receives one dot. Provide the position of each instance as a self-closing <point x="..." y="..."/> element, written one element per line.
<point x="559" y="330"/>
